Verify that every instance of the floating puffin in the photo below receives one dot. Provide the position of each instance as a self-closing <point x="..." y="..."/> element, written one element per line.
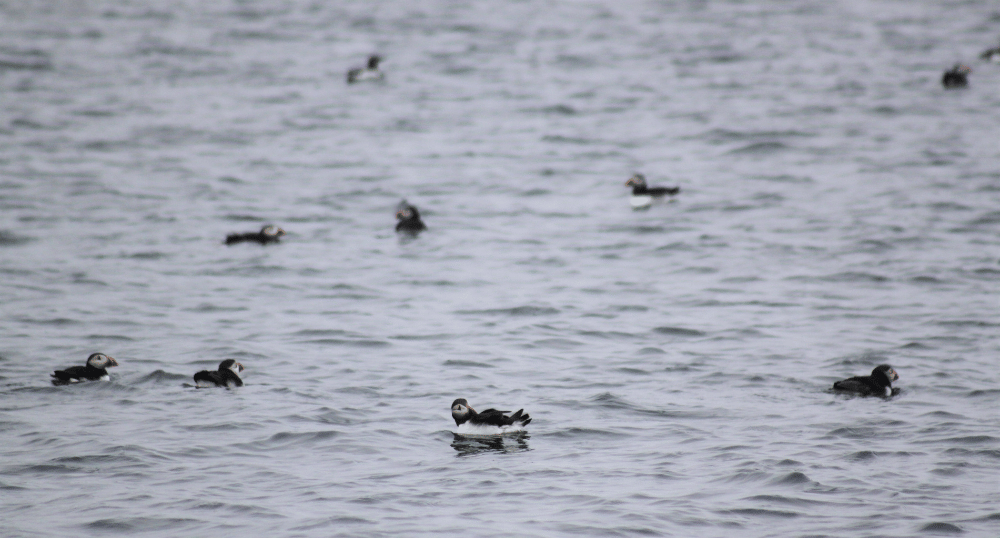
<point x="957" y="77"/>
<point x="96" y="369"/>
<point x="361" y="74"/>
<point x="267" y="234"/>
<point x="226" y="376"/>
<point x="643" y="196"/>
<point x="489" y="422"/>
<point x="877" y="384"/>
<point x="409" y="219"/>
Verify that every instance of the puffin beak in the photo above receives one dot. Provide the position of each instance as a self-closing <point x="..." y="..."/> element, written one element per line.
<point x="112" y="361"/>
<point x="240" y="365"/>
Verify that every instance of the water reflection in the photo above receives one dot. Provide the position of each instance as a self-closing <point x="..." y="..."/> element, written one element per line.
<point x="470" y="446"/>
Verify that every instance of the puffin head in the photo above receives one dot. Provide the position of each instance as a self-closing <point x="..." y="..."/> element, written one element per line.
<point x="405" y="211"/>
<point x="887" y="371"/>
<point x="637" y="180"/>
<point x="373" y="61"/>
<point x="100" y="360"/>
<point x="272" y="231"/>
<point x="231" y="364"/>
<point x="460" y="411"/>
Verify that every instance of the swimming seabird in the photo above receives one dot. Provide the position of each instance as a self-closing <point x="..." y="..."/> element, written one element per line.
<point x="957" y="77"/>
<point x="94" y="370"/>
<point x="877" y="384"/>
<point x="489" y="422"/>
<point x="267" y="234"/>
<point x="409" y="219"/>
<point x="643" y="196"/>
<point x="359" y="74"/>
<point x="226" y="376"/>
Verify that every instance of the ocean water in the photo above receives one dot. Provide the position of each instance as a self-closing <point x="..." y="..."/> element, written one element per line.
<point x="838" y="210"/>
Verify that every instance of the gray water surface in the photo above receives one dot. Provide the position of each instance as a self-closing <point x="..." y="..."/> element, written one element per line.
<point x="839" y="210"/>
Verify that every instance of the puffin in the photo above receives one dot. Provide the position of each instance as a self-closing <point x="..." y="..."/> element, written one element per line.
<point x="643" y="196"/>
<point x="267" y="234"/>
<point x="360" y="74"/>
<point x="957" y="77"/>
<point x="877" y="384"/>
<point x="96" y="369"/>
<point x="409" y="219"/>
<point x="226" y="376"/>
<point x="489" y="422"/>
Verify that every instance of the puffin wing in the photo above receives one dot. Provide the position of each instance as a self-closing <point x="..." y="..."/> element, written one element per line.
<point x="63" y="377"/>
<point x="205" y="376"/>
<point x="663" y="191"/>
<point x="860" y="385"/>
<point x="493" y="417"/>
<point x="76" y="373"/>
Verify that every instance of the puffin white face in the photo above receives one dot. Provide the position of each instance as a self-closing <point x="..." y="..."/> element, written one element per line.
<point x="273" y="231"/>
<point x="460" y="409"/>
<point x="404" y="214"/>
<point x="100" y="360"/>
<point x="893" y="376"/>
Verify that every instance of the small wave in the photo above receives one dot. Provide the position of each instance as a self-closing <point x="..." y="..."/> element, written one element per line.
<point x="941" y="528"/>
<point x="30" y="60"/>
<point x="574" y="433"/>
<point x="158" y="376"/>
<point x="149" y="255"/>
<point x="631" y="371"/>
<point x="968" y="323"/>
<point x="608" y="335"/>
<point x="793" y="478"/>
<point x="567" y="139"/>
<point x="141" y="524"/>
<point x="678" y="331"/>
<point x="283" y="440"/>
<point x="727" y="135"/>
<point x="759" y="148"/>
<point x="971" y="439"/>
<point x="10" y="239"/>
<point x="761" y="512"/>
<point x="965" y="452"/>
<point x="342" y="342"/>
<point x="208" y="308"/>
<point x="115" y="337"/>
<point x="51" y="321"/>
<point x="467" y="364"/>
<point x="854" y="276"/>
<point x="863" y="455"/>
<point x="516" y="311"/>
<point x="562" y="110"/>
<point x="780" y="499"/>
<point x="854" y="433"/>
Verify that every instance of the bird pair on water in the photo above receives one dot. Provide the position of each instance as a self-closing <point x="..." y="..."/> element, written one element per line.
<point x="408" y="216"/>
<point x="96" y="369"/>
